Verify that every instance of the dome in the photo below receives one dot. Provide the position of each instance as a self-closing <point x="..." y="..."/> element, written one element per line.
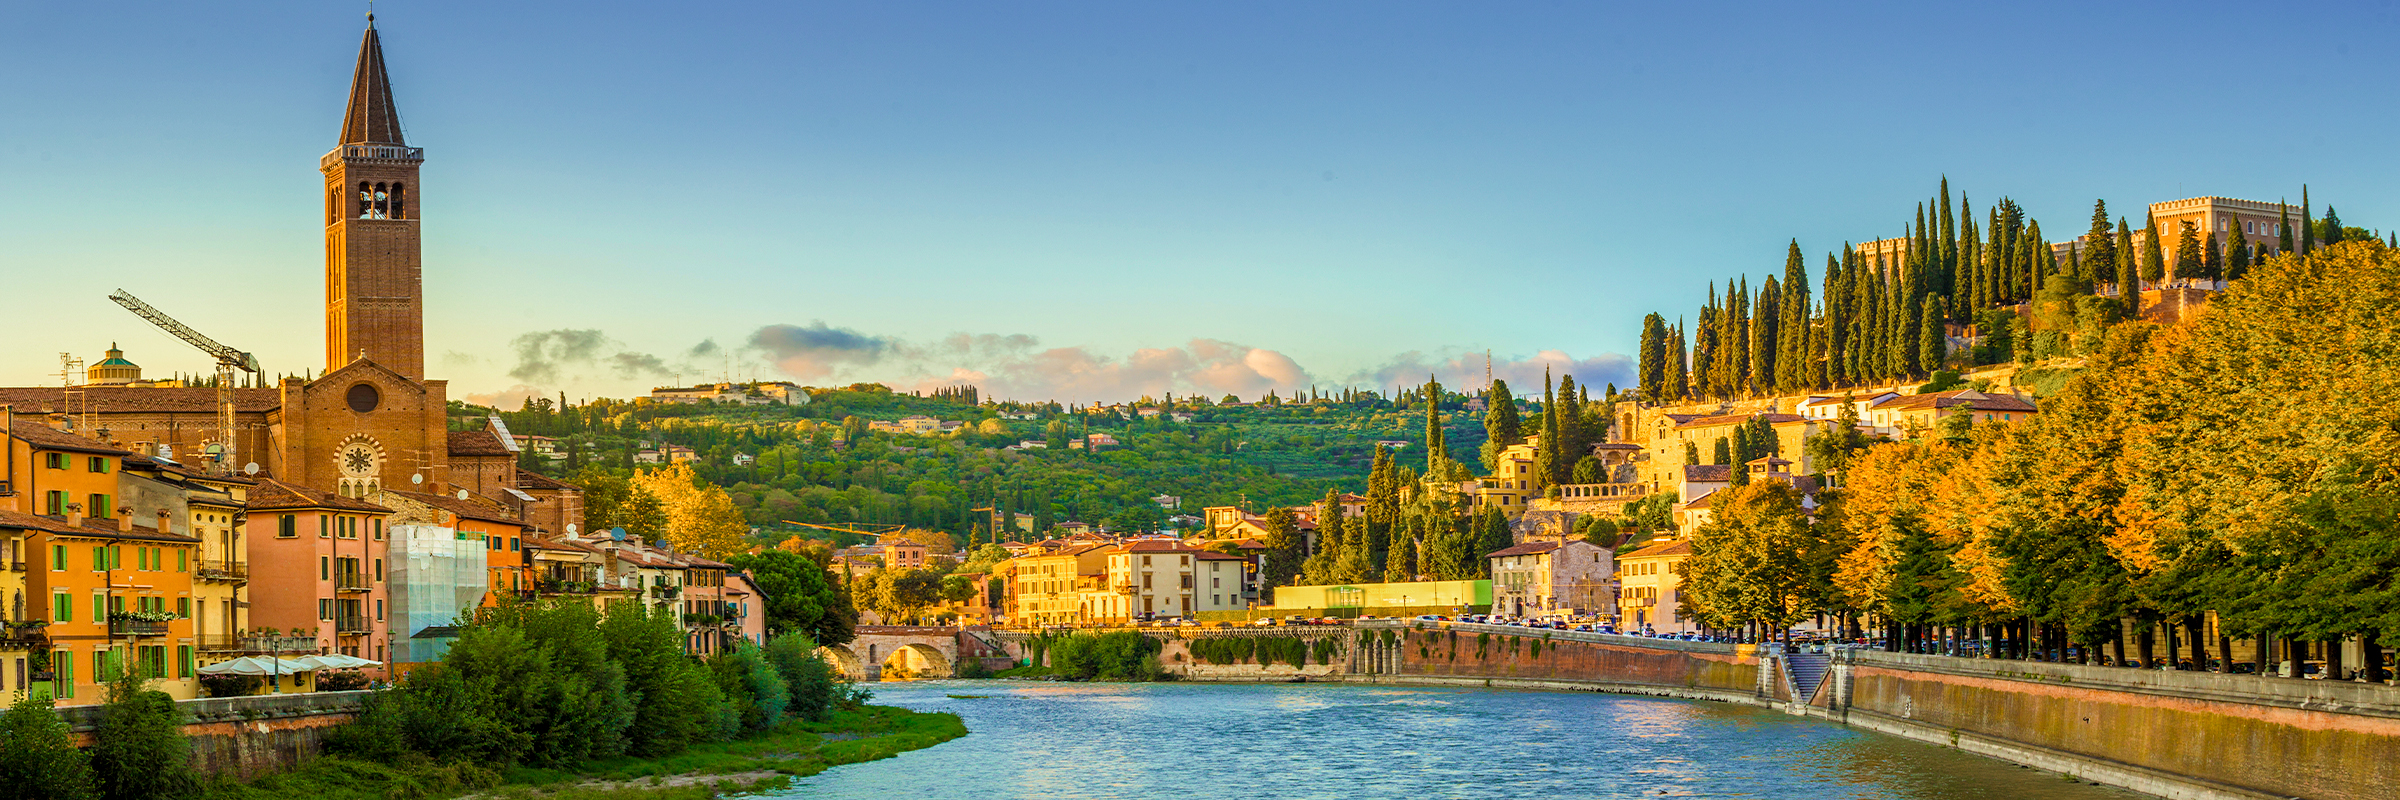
<point x="113" y="370"/>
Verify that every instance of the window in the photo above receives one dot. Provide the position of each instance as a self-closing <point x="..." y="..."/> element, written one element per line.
<point x="515" y="545"/>
<point x="54" y="502"/>
<point x="324" y="527"/>
<point x="379" y="606"/>
<point x="100" y="507"/>
<point x="183" y="560"/>
<point x="99" y="558"/>
<point x="183" y="607"/>
<point x="378" y="570"/>
<point x="287" y="526"/>
<point x="62" y="607"/>
<point x="183" y="657"/>
<point x="58" y="558"/>
<point x="324" y="568"/>
<point x="379" y="529"/>
<point x="325" y="608"/>
<point x="97" y="464"/>
<point x="54" y="460"/>
<point x="63" y="662"/>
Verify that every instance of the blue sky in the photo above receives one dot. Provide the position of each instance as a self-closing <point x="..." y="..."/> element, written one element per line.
<point x="1097" y="200"/>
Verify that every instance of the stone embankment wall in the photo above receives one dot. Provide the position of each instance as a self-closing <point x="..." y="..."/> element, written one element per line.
<point x="2182" y="735"/>
<point x="247" y="736"/>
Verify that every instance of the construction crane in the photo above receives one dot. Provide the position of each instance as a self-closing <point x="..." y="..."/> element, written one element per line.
<point x="228" y="360"/>
<point x="887" y="529"/>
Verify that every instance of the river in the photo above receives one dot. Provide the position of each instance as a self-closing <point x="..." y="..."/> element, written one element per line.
<point x="1179" y="740"/>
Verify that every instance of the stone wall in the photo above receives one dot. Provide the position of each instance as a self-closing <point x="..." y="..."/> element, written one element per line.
<point x="2177" y="734"/>
<point x="247" y="736"/>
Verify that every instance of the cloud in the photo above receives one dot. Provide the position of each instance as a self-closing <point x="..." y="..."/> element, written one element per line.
<point x="509" y="399"/>
<point x="548" y="357"/>
<point x="815" y="351"/>
<point x="1463" y="371"/>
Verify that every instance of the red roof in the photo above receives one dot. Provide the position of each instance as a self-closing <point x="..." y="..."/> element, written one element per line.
<point x="1707" y="473"/>
<point x="1526" y="549"/>
<point x="44" y="437"/>
<point x="481" y="442"/>
<point x="275" y="494"/>
<point x="128" y="399"/>
<point x="1679" y="547"/>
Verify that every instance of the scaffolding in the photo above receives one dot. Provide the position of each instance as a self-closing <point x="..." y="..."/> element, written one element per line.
<point x="437" y="573"/>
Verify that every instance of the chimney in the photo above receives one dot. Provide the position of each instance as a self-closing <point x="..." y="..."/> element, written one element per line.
<point x="124" y="523"/>
<point x="166" y="521"/>
<point x="74" y="515"/>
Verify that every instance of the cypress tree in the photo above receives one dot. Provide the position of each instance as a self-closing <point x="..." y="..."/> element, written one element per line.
<point x="1437" y="451"/>
<point x="1763" y="319"/>
<point x="2187" y="252"/>
<point x="2212" y="258"/>
<point x="2332" y="227"/>
<point x="1654" y="360"/>
<point x="1935" y="346"/>
<point x="1681" y="387"/>
<point x="2099" y="245"/>
<point x="1501" y="427"/>
<point x="1545" y="458"/>
<point x="2283" y="226"/>
<point x="1573" y="444"/>
<point x="1791" y="351"/>
<point x="2128" y="287"/>
<point x="1836" y="322"/>
<point x="2308" y="229"/>
<point x="1704" y="346"/>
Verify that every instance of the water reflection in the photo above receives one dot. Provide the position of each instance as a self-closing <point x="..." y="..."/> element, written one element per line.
<point x="1039" y="740"/>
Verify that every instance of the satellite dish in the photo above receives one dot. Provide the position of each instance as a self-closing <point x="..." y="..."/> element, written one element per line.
<point x="462" y="494"/>
<point x="250" y="468"/>
<point x="570" y="529"/>
<point x="417" y="478"/>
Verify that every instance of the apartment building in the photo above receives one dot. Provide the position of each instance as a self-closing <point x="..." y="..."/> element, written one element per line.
<point x="1553" y="578"/>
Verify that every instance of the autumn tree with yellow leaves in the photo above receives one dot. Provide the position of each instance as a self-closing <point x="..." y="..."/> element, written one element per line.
<point x="700" y="518"/>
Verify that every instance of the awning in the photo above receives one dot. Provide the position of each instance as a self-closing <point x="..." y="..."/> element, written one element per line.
<point x="260" y="666"/>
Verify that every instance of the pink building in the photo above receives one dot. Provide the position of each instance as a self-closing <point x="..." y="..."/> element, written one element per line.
<point x="317" y="566"/>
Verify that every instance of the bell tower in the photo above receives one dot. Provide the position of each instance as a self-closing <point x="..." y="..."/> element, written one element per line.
<point x="374" y="295"/>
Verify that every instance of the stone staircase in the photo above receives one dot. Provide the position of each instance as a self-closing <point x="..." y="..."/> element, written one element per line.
<point x="1804" y="673"/>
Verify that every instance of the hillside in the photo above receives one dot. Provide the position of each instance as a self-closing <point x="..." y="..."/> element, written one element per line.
<point x="821" y="463"/>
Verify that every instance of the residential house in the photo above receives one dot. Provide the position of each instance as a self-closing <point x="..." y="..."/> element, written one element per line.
<point x="1051" y="588"/>
<point x="1553" y="578"/>
<point x="323" y="558"/>
<point x="1649" y="582"/>
<point x="207" y="508"/>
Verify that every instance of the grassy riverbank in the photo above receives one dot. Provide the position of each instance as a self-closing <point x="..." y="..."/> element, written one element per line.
<point x="703" y="771"/>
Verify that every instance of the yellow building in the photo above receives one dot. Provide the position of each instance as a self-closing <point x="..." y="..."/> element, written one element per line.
<point x="1649" y="581"/>
<point x="1385" y="599"/>
<point x="1165" y="578"/>
<point x="204" y="507"/>
<point x="1053" y="587"/>
<point x="1510" y="486"/>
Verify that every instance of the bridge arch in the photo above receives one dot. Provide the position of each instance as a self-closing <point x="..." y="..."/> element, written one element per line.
<point x="917" y="661"/>
<point x="845" y="661"/>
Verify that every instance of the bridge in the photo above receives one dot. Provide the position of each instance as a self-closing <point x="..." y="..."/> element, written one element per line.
<point x="911" y="651"/>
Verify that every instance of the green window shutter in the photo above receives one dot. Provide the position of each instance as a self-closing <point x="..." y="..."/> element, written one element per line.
<point x="58" y="558"/>
<point x="62" y="608"/>
<point x="183" y="560"/>
<point x="99" y="558"/>
<point x="324" y="527"/>
<point x="65" y="679"/>
<point x="183" y="656"/>
<point x="183" y="607"/>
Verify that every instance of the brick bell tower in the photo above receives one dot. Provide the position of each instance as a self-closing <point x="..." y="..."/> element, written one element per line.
<point x="374" y="295"/>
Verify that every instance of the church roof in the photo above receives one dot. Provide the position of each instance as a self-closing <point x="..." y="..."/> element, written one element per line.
<point x="275" y="494"/>
<point x="534" y="480"/>
<point x="478" y="442"/>
<point x="373" y="118"/>
<point x="129" y="399"/>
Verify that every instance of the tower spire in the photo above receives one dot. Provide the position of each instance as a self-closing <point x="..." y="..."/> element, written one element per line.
<point x="372" y="118"/>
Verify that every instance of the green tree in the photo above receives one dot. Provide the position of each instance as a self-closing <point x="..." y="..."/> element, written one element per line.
<point x="800" y="595"/>
<point x="2128" y="281"/>
<point x="752" y="684"/>
<point x="1492" y="535"/>
<point x="38" y="759"/>
<point x="1500" y="425"/>
<point x="1655" y="361"/>
<point x="680" y="704"/>
<point x="1284" y="551"/>
<point x="1749" y="564"/>
<point x="814" y="687"/>
<point x="138" y="750"/>
<point x="2187" y="252"/>
<point x="2154" y="260"/>
<point x="1934" y="344"/>
<point x="1437" y="450"/>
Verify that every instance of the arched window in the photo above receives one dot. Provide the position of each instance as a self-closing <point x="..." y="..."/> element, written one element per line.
<point x="366" y="200"/>
<point x="399" y="201"/>
<point x="382" y="205"/>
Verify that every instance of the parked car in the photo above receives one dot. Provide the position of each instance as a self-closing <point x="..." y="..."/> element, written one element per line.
<point x="1265" y="622"/>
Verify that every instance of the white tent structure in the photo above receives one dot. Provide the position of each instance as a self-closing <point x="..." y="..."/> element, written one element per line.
<point x="261" y="666"/>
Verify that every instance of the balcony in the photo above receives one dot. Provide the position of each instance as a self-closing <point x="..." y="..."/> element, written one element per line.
<point x="666" y="592"/>
<point x="123" y="626"/>
<point x="371" y="153"/>
<point x="219" y="643"/>
<point x="350" y="582"/>
<point x="230" y="571"/>
<point x="16" y="566"/>
<point x="351" y="625"/>
<point x="24" y="636"/>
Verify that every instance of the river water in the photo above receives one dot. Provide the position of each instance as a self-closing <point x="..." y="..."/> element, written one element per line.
<point x="1179" y="740"/>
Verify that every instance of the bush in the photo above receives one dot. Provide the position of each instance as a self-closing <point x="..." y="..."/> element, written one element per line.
<point x="679" y="705"/>
<point x="1117" y="656"/>
<point x="811" y="682"/>
<point x="235" y="685"/>
<point x="757" y="692"/>
<point x="338" y="681"/>
<point x="38" y="760"/>
<point x="138" y="751"/>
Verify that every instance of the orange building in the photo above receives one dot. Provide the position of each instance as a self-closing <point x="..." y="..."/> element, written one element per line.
<point x="112" y="595"/>
<point x="318" y="558"/>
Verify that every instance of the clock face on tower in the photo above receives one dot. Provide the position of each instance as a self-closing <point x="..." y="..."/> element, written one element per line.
<point x="360" y="457"/>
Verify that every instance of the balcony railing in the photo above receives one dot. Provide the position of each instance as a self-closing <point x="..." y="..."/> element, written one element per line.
<point x="350" y="582"/>
<point x="15" y="565"/>
<point x="219" y="643"/>
<point x="666" y="592"/>
<point x="351" y="625"/>
<point x="236" y="571"/>
<point x="24" y="637"/>
<point x="370" y="152"/>
<point x="136" y="627"/>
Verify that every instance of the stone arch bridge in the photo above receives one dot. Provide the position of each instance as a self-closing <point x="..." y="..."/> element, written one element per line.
<point x="911" y="651"/>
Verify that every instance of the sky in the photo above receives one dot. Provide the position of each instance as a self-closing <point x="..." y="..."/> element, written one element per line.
<point x="1097" y="201"/>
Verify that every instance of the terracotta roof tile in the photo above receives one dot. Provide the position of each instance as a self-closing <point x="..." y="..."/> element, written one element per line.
<point x="1679" y="547"/>
<point x="1707" y="473"/>
<point x="90" y="527"/>
<point x="470" y="508"/>
<point x="1525" y="549"/>
<point x="123" y="399"/>
<point x="1733" y="419"/>
<point x="480" y="442"/>
<point x="527" y="479"/>
<point x="44" y="437"/>
<point x="275" y="494"/>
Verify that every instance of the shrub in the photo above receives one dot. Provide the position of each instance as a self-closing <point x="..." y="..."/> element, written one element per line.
<point x="236" y="685"/>
<point x="38" y="760"/>
<point x="338" y="681"/>
<point x="138" y="751"/>
<point x="811" y="682"/>
<point x="751" y="684"/>
<point x="679" y="704"/>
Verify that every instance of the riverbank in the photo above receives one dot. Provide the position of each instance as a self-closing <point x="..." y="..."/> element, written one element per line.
<point x="764" y="762"/>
